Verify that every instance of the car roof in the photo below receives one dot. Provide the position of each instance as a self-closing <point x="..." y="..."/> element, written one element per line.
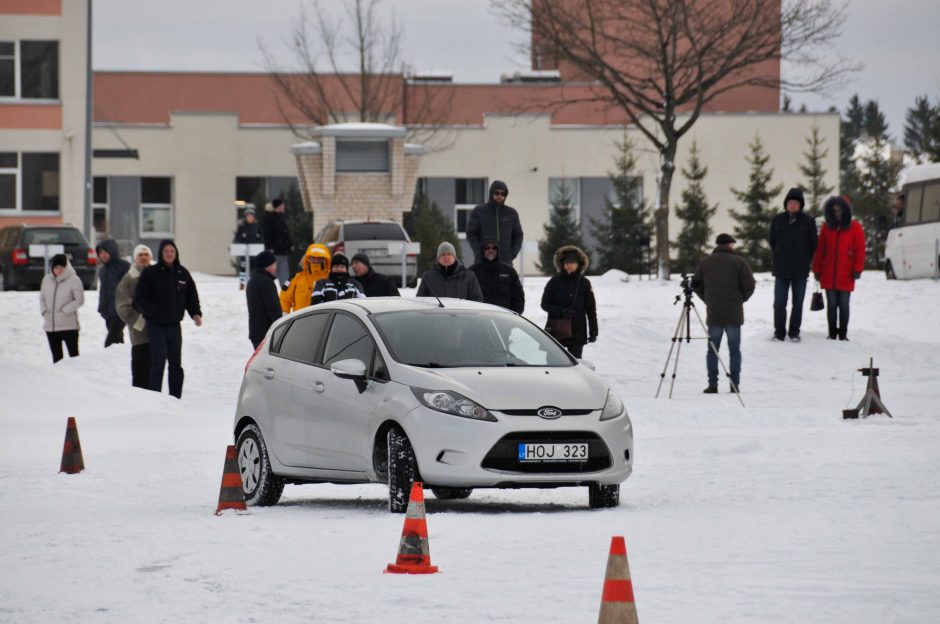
<point x="373" y="305"/>
<point x="352" y="221"/>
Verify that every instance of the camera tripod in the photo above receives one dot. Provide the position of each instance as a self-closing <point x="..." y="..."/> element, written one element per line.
<point x="683" y="332"/>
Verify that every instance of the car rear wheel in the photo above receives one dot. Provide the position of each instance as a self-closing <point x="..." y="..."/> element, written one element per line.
<point x="450" y="493"/>
<point x="402" y="470"/>
<point x="602" y="496"/>
<point x="259" y="483"/>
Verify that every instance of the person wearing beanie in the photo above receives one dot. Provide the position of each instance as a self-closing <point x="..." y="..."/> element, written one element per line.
<point x="338" y="284"/>
<point x="264" y="305"/>
<point x="165" y="292"/>
<point x="838" y="262"/>
<point x="136" y="325"/>
<point x="792" y="242"/>
<point x="449" y="277"/>
<point x="497" y="221"/>
<point x="60" y="296"/>
<point x="724" y="281"/>
<point x="113" y="268"/>
<point x="568" y="298"/>
<point x="373" y="284"/>
<point x="277" y="239"/>
<point x="499" y="282"/>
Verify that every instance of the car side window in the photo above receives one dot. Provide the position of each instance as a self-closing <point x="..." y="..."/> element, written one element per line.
<point x="348" y="340"/>
<point x="303" y="338"/>
<point x="277" y="337"/>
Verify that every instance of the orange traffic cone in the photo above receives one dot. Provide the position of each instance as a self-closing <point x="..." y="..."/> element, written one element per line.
<point x="617" y="606"/>
<point x="414" y="556"/>
<point x="72" y="461"/>
<point x="231" y="495"/>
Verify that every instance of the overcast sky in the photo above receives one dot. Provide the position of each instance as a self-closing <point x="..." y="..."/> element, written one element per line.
<point x="897" y="42"/>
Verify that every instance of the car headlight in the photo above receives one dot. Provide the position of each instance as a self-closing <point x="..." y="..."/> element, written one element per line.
<point x="452" y="403"/>
<point x="613" y="407"/>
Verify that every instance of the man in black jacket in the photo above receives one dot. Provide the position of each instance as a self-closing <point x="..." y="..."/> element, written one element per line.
<point x="495" y="220"/>
<point x="498" y="281"/>
<point x="277" y="240"/>
<point x="724" y="281"/>
<point x="338" y="285"/>
<point x="164" y="293"/>
<point x="112" y="270"/>
<point x="373" y="284"/>
<point x="793" y="241"/>
<point x="264" y="304"/>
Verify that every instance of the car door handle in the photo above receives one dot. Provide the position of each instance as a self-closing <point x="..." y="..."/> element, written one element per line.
<point x="318" y="386"/>
<point x="269" y="373"/>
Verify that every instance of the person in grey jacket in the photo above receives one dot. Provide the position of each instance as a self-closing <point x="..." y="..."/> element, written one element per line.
<point x="449" y="278"/>
<point x="113" y="268"/>
<point x="136" y="324"/>
<point x="494" y="220"/>
<point x="724" y="281"/>
<point x="60" y="296"/>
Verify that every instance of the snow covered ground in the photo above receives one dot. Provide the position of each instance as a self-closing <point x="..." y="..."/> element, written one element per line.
<point x="777" y="512"/>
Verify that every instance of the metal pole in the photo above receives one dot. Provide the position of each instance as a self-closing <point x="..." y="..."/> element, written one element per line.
<point x="89" y="226"/>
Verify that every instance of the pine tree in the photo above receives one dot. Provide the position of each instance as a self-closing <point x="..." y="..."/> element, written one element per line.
<point x="694" y="239"/>
<point x="562" y="229"/>
<point x="815" y="184"/>
<point x="922" y="130"/>
<point x="753" y="222"/>
<point x="851" y="128"/>
<point x="625" y="230"/>
<point x="427" y="224"/>
<point x="877" y="179"/>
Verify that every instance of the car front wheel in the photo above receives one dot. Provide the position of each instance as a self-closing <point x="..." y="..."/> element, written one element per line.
<point x="402" y="470"/>
<point x="259" y="483"/>
<point x="602" y="496"/>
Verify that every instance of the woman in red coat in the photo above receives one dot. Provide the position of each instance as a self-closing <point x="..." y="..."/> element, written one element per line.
<point x="838" y="262"/>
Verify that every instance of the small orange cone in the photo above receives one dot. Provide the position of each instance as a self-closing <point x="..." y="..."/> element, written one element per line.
<point x="231" y="495"/>
<point x="617" y="606"/>
<point x="72" y="461"/>
<point x="414" y="556"/>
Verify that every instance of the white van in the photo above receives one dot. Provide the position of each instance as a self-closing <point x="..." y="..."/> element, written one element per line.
<point x="913" y="248"/>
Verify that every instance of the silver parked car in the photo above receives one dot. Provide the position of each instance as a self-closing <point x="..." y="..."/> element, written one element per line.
<point x="457" y="394"/>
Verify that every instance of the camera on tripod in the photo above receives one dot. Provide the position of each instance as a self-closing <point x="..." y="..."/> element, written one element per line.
<point x="686" y="285"/>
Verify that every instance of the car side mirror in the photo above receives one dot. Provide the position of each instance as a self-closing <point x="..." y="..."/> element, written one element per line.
<point x="589" y="364"/>
<point x="351" y="369"/>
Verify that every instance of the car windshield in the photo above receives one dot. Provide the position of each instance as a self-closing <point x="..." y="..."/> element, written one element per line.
<point x="373" y="231"/>
<point x="442" y="338"/>
<point x="53" y="236"/>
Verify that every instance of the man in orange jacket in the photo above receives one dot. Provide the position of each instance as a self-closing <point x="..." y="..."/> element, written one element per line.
<point x="316" y="266"/>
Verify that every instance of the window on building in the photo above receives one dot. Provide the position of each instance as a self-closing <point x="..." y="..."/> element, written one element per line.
<point x="361" y="156"/>
<point x="468" y="192"/>
<point x="156" y="206"/>
<point x="248" y="190"/>
<point x="99" y="207"/>
<point x="29" y="181"/>
<point x="29" y="69"/>
<point x="565" y="188"/>
<point x="9" y="174"/>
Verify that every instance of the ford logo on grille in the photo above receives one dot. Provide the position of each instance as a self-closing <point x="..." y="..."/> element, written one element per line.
<point x="549" y="413"/>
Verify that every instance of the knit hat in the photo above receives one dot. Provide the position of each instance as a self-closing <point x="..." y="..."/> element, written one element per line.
<point x="140" y="248"/>
<point x="265" y="259"/>
<point x="797" y="194"/>
<point x="361" y="257"/>
<point x="277" y="202"/>
<point x="725" y="239"/>
<point x="445" y="248"/>
<point x="250" y="211"/>
<point x="340" y="258"/>
<point x="58" y="260"/>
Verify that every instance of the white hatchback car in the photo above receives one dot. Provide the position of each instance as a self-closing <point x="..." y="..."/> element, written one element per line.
<point x="457" y="394"/>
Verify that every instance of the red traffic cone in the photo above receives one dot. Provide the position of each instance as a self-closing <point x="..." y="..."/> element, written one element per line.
<point x="231" y="496"/>
<point x="617" y="605"/>
<point x="414" y="556"/>
<point x="72" y="461"/>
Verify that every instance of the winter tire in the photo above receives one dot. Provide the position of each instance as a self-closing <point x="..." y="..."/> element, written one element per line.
<point x="602" y="496"/>
<point x="402" y="470"/>
<point x="889" y="271"/>
<point x="260" y="485"/>
<point x="450" y="493"/>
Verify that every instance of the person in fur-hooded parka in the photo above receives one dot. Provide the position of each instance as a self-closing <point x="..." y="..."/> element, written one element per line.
<point x="839" y="261"/>
<point x="569" y="294"/>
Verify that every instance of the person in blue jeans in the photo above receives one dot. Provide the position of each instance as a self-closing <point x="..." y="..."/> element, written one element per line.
<point x="724" y="281"/>
<point x="793" y="241"/>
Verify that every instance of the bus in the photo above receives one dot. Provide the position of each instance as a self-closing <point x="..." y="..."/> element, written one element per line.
<point x="913" y="248"/>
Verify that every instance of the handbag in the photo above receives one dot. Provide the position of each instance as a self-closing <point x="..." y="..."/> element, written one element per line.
<point x="816" y="303"/>
<point x="561" y="328"/>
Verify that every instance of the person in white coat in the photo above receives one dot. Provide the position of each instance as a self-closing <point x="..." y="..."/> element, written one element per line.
<point x="60" y="297"/>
